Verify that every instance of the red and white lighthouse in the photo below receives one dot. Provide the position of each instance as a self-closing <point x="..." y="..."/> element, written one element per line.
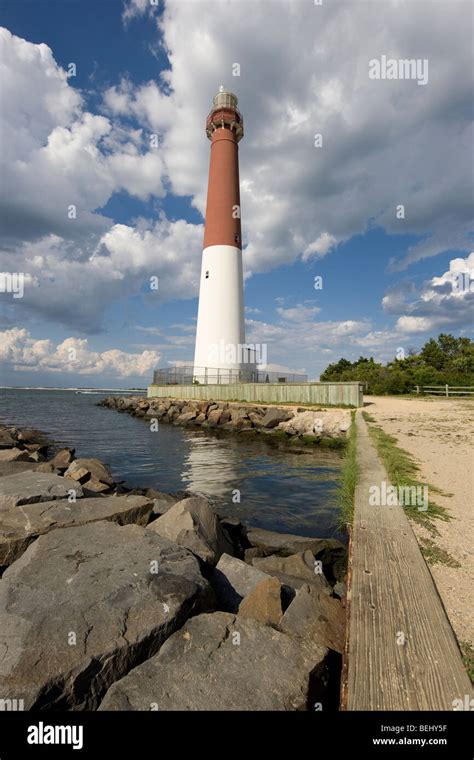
<point x="220" y="335"/>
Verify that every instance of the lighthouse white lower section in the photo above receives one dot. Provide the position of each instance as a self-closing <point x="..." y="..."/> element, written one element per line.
<point x="220" y="335"/>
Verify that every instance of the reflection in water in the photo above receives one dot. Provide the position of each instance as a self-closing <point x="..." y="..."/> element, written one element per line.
<point x="279" y="490"/>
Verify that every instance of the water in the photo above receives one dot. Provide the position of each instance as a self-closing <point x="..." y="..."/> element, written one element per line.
<point x="279" y="489"/>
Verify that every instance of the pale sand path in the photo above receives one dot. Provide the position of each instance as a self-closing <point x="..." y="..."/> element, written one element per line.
<point x="438" y="433"/>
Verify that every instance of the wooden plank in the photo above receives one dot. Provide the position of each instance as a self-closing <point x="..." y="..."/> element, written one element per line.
<point x="392" y="595"/>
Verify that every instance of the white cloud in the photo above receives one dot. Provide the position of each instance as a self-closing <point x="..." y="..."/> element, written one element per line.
<point x="24" y="353"/>
<point x="381" y="140"/>
<point x="320" y="247"/>
<point x="444" y="302"/>
<point x="74" y="287"/>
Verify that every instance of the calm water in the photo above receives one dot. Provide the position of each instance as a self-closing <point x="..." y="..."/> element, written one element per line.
<point x="279" y="490"/>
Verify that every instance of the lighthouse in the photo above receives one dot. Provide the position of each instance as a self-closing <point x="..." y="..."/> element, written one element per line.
<point x="220" y="335"/>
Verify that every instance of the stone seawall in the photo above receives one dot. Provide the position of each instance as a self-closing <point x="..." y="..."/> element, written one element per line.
<point x="114" y="598"/>
<point x="296" y="424"/>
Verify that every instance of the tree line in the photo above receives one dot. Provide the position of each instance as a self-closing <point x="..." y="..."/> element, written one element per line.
<point x="442" y="360"/>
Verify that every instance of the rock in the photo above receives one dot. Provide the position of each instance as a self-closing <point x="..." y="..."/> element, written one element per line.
<point x="263" y="603"/>
<point x="81" y="474"/>
<point x="21" y="525"/>
<point x="183" y="419"/>
<point x="256" y="419"/>
<point x="251" y="553"/>
<point x="225" y="417"/>
<point x="294" y="571"/>
<point x="192" y="523"/>
<point x="36" y="456"/>
<point x="286" y="544"/>
<point x="29" y="487"/>
<point x="7" y="441"/>
<point x="201" y="667"/>
<point x="200" y="418"/>
<point x="173" y="412"/>
<point x="95" y="468"/>
<point x="340" y="589"/>
<point x="236" y="533"/>
<point x="62" y="459"/>
<point x="96" y="582"/>
<point x="162" y="502"/>
<point x="274" y="416"/>
<point x="233" y="580"/>
<point x="31" y="436"/>
<point x="214" y="417"/>
<point x="12" y="468"/>
<point x="14" y="455"/>
<point x="316" y="616"/>
<point x="92" y="487"/>
<point x="331" y="552"/>
<point x="238" y="424"/>
<point x="47" y="467"/>
<point x="328" y="424"/>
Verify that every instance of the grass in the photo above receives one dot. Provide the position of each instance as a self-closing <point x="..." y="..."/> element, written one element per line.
<point x="468" y="658"/>
<point x="348" y="481"/>
<point x="435" y="555"/>
<point x="402" y="471"/>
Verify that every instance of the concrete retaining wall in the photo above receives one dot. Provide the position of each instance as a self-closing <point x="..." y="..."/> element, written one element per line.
<point x="349" y="394"/>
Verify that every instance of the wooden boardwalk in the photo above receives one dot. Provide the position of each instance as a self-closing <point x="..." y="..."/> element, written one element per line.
<point x="392" y="598"/>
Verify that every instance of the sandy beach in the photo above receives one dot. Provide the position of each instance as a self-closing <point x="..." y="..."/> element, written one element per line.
<point x="437" y="432"/>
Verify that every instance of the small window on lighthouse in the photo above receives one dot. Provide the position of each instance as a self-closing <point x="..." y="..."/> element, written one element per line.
<point x="237" y="238"/>
<point x="207" y="275"/>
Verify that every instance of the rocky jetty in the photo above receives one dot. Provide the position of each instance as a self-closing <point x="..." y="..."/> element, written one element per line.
<point x="317" y="426"/>
<point x="132" y="599"/>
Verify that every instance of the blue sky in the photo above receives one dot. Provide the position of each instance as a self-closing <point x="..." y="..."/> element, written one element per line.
<point x="88" y="316"/>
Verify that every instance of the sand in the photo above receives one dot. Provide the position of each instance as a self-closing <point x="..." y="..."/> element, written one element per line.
<point x="437" y="432"/>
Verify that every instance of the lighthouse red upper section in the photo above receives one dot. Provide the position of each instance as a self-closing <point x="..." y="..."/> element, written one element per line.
<point x="224" y="127"/>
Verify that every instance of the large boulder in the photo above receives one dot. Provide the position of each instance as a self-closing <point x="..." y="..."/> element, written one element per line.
<point x="285" y="544"/>
<point x="12" y="468"/>
<point x="274" y="416"/>
<point x="30" y="486"/>
<point x="162" y="502"/>
<point x="214" y="417"/>
<point x="20" y="526"/>
<point x="185" y="418"/>
<point x="263" y="603"/>
<point x="94" y="469"/>
<point x="294" y="571"/>
<point x="192" y="523"/>
<point x="14" y="455"/>
<point x="318" y="424"/>
<point x="317" y="617"/>
<point x="331" y="552"/>
<point x="83" y="606"/>
<point x="223" y="662"/>
<point x="62" y="459"/>
<point x="7" y="440"/>
<point x="233" y="580"/>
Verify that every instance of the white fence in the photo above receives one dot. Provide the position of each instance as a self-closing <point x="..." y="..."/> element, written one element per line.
<point x="446" y="390"/>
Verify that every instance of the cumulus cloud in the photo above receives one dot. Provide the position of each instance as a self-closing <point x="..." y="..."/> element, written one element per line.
<point x="443" y="302"/>
<point x="20" y="351"/>
<point x="74" y="286"/>
<point x="381" y="140"/>
<point x="384" y="143"/>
